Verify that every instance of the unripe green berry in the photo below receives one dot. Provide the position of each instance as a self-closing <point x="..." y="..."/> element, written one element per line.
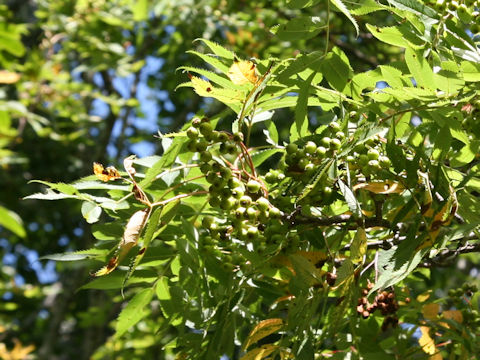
<point x="384" y="162"/>
<point x="252" y="232"/>
<point x="340" y="135"/>
<point x="205" y="128"/>
<point x="302" y="163"/>
<point x="205" y="156"/>
<point x="222" y="137"/>
<point x="245" y="200"/>
<point x="238" y="137"/>
<point x="335" y="143"/>
<point x="374" y="164"/>
<point x="326" y="141"/>
<point x="320" y="152"/>
<point x="192" y="133"/>
<point x="240" y="212"/>
<point x="238" y="192"/>
<point x="201" y="145"/>
<point x="274" y="212"/>
<point x="253" y="186"/>
<point x="207" y="221"/>
<point x="205" y="168"/>
<point x="334" y="125"/>
<point x="310" y="147"/>
<point x="227" y="204"/>
<point x="251" y="213"/>
<point x="262" y="203"/>
<point x="291" y="148"/>
<point x="225" y="173"/>
<point x="271" y="177"/>
<point x="373" y="154"/>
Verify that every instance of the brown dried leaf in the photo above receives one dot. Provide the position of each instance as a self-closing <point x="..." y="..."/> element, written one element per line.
<point x="260" y="353"/>
<point x="430" y="311"/>
<point x="426" y="342"/>
<point x="381" y="187"/>
<point x="110" y="173"/>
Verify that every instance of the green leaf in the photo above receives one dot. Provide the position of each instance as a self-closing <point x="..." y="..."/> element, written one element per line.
<point x="77" y="255"/>
<point x="165" y="161"/>
<point x="49" y="194"/>
<point x="415" y="7"/>
<point x="213" y="61"/>
<point x="350" y="198"/>
<point x="301" y="118"/>
<point x="336" y="69"/>
<point x="300" y="4"/>
<point x="140" y="10"/>
<point x="91" y="212"/>
<point x="66" y="189"/>
<point x="301" y="28"/>
<point x="471" y="71"/>
<point x="115" y="280"/>
<point x="259" y="157"/>
<point x="401" y="36"/>
<point x="300" y="63"/>
<point x="341" y="6"/>
<point x="218" y="49"/>
<point x="420" y="69"/>
<point x="395" y="268"/>
<point x="134" y="311"/>
<point x="11" y="221"/>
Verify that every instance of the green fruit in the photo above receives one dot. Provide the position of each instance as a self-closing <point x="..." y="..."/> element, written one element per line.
<point x="326" y="141"/>
<point x="320" y="152"/>
<point x="207" y="221"/>
<point x="274" y="212"/>
<point x="302" y="163"/>
<point x="271" y="177"/>
<point x="334" y="125"/>
<point x="251" y="213"/>
<point x="245" y="200"/>
<point x="253" y="186"/>
<point x="252" y="232"/>
<point x="291" y="148"/>
<point x="310" y="147"/>
<point x="222" y="137"/>
<point x="205" y="128"/>
<point x="262" y="204"/>
<point x="362" y="160"/>
<point x="374" y="164"/>
<point x="211" y="177"/>
<point x="384" y="162"/>
<point x="196" y="123"/>
<point x="201" y="145"/>
<point x="192" y="132"/>
<point x="214" y="201"/>
<point x="205" y="156"/>
<point x="227" y="204"/>
<point x="240" y="212"/>
<point x="238" y="137"/>
<point x="226" y="173"/>
<point x="335" y="144"/>
<point x="373" y="154"/>
<point x="238" y="192"/>
<point x="340" y="135"/>
<point x="205" y="168"/>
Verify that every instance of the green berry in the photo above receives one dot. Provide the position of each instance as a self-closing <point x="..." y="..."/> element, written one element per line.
<point x="238" y="192"/>
<point x="320" y="152"/>
<point x="253" y="186"/>
<point x="238" y="137"/>
<point x="205" y="128"/>
<point x="326" y="141"/>
<point x="274" y="212"/>
<point x="222" y="137"/>
<point x="310" y="147"/>
<point x="262" y="204"/>
<point x="373" y="154"/>
<point x="207" y="221"/>
<point x="192" y="132"/>
<point x="245" y="200"/>
<point x="335" y="144"/>
<point x="340" y="135"/>
<point x="384" y="162"/>
<point x="227" y="204"/>
<point x="292" y="148"/>
<point x="334" y="125"/>
<point x="205" y="156"/>
<point x="251" y="213"/>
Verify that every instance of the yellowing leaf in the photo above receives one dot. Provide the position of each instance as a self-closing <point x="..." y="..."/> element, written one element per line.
<point x="426" y="342"/>
<point x="243" y="72"/>
<point x="455" y="315"/>
<point x="19" y="352"/>
<point x="259" y="353"/>
<point x="430" y="311"/>
<point x="263" y="329"/>
<point x="8" y="77"/>
<point x="110" y="173"/>
<point x="381" y="187"/>
<point x="206" y="89"/>
<point x="424" y="297"/>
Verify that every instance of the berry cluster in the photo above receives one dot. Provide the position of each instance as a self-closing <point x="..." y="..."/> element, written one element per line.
<point x="249" y="220"/>
<point x="385" y="302"/>
<point x="368" y="158"/>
